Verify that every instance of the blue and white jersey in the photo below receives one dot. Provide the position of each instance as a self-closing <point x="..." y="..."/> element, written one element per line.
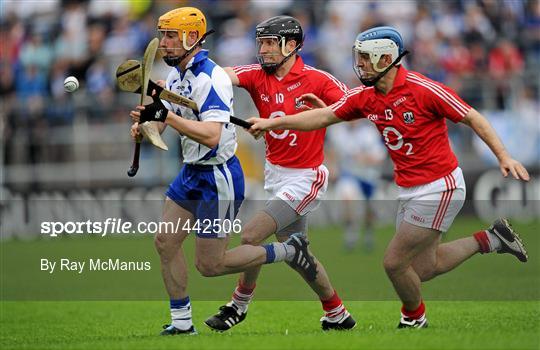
<point x="359" y="149"/>
<point x="209" y="86"/>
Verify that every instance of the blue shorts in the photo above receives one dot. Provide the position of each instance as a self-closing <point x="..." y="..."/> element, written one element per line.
<point x="367" y="187"/>
<point x="209" y="192"/>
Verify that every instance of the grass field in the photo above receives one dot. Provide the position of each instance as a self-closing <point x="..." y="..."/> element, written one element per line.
<point x="270" y="325"/>
<point x="491" y="302"/>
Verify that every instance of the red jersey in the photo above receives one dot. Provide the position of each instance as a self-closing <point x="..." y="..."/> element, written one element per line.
<point x="411" y="119"/>
<point x="278" y="97"/>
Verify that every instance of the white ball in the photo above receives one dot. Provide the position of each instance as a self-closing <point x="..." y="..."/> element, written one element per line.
<point x="71" y="84"/>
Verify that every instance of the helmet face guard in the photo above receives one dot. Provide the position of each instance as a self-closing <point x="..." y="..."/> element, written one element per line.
<point x="175" y="60"/>
<point x="183" y="21"/>
<point x="278" y="41"/>
<point x="374" y="43"/>
<point x="282" y="29"/>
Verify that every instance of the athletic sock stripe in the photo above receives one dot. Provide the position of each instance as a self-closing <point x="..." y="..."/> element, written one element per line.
<point x="334" y="315"/>
<point x="335" y="312"/>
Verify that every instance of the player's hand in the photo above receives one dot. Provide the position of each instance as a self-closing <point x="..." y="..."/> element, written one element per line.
<point x="259" y="124"/>
<point x="311" y="101"/>
<point x="512" y="166"/>
<point x="135" y="133"/>
<point x="256" y="131"/>
<point x="161" y="83"/>
<point x="155" y="111"/>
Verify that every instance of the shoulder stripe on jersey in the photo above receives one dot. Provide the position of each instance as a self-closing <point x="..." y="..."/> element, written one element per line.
<point x="235" y="68"/>
<point x="341" y="86"/>
<point x="348" y="94"/>
<point x="243" y="69"/>
<point x="451" y="100"/>
<point x="444" y="95"/>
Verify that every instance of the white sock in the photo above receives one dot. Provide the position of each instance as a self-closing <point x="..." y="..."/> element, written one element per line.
<point x="283" y="251"/>
<point x="181" y="318"/>
<point x="241" y="300"/>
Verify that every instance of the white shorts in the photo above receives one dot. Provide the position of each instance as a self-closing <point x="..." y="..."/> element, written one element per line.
<point x="434" y="205"/>
<point x="302" y="189"/>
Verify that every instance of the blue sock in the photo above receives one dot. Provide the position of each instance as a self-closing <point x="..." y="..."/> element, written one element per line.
<point x="179" y="303"/>
<point x="270" y="253"/>
<point x="276" y="252"/>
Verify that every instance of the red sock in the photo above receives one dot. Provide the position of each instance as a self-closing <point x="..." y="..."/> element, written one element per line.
<point x="333" y="306"/>
<point x="245" y="289"/>
<point x="242" y="295"/>
<point x="483" y="240"/>
<point x="415" y="314"/>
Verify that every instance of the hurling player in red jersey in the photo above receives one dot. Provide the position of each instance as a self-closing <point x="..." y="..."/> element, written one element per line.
<point x="295" y="178"/>
<point x="409" y="110"/>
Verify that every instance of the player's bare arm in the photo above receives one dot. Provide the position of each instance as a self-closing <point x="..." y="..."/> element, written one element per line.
<point x="232" y="75"/>
<point x="304" y="121"/>
<point x="485" y="131"/>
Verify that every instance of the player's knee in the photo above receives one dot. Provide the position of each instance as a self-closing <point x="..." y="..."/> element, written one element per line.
<point x="208" y="268"/>
<point x="392" y="265"/>
<point x="426" y="273"/>
<point x="165" y="247"/>
<point x="250" y="239"/>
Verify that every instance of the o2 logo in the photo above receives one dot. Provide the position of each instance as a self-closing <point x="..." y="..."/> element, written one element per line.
<point x="397" y="143"/>
<point x="282" y="134"/>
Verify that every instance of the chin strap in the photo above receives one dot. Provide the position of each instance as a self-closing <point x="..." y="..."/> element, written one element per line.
<point x="373" y="81"/>
<point x="175" y="61"/>
<point x="271" y="68"/>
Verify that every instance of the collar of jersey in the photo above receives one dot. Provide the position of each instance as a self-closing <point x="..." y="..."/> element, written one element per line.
<point x="399" y="80"/>
<point x="200" y="56"/>
<point x="295" y="69"/>
<point x="401" y="76"/>
<point x="297" y="66"/>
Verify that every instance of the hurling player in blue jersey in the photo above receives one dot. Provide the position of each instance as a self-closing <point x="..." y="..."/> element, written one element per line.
<point x="209" y="189"/>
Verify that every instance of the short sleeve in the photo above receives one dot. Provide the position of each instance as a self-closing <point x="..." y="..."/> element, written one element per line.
<point x="349" y="107"/>
<point x="441" y="100"/>
<point x="247" y="75"/>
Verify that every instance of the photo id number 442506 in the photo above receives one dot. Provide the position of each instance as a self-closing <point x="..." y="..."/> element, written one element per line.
<point x="209" y="226"/>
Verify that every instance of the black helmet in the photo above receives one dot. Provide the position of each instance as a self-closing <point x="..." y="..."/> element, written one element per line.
<point x="284" y="28"/>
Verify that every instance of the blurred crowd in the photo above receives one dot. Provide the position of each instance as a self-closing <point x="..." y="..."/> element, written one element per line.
<point x="488" y="50"/>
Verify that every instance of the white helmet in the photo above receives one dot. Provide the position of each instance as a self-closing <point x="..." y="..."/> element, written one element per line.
<point x="376" y="42"/>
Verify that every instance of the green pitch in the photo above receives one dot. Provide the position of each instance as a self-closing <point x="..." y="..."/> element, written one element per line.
<point x="490" y="302"/>
<point x="270" y="325"/>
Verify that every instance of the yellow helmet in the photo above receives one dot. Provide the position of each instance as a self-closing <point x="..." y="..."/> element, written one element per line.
<point x="183" y="20"/>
